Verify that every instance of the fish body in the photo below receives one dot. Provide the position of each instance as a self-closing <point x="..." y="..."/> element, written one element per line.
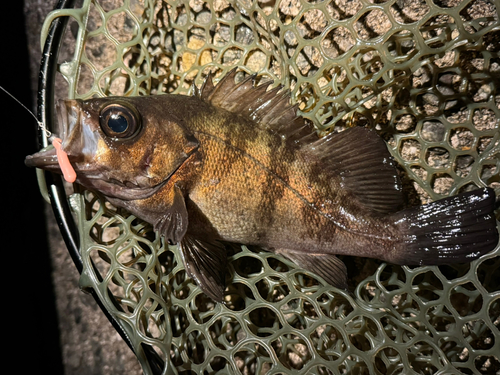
<point x="234" y="163"/>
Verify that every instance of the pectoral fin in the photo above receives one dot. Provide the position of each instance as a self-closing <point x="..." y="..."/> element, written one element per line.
<point x="205" y="262"/>
<point x="328" y="266"/>
<point x="174" y="223"/>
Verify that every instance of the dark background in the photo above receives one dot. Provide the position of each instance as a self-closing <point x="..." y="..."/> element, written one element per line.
<point x="29" y="312"/>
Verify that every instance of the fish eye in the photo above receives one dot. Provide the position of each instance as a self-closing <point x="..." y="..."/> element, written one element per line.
<point x="119" y="121"/>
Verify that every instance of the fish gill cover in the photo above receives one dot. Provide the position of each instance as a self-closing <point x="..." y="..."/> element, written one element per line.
<point x="423" y="74"/>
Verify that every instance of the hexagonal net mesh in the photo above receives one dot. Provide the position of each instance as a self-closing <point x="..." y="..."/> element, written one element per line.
<point x="425" y="74"/>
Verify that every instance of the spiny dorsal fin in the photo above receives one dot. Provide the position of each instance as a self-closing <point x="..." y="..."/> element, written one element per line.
<point x="269" y="108"/>
<point x="360" y="158"/>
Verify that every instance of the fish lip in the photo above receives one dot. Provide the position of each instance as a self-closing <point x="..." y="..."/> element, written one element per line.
<point x="62" y="119"/>
<point x="69" y="127"/>
<point x="45" y="159"/>
<point x="68" y="116"/>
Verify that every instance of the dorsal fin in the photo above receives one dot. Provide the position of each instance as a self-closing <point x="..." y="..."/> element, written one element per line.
<point x="357" y="156"/>
<point x="362" y="162"/>
<point x="269" y="108"/>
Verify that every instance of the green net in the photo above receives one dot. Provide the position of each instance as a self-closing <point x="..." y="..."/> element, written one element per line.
<point x="425" y="74"/>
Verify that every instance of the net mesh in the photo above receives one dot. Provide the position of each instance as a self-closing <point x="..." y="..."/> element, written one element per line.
<point x="424" y="74"/>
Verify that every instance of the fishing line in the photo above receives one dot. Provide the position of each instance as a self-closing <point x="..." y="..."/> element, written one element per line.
<point x="62" y="157"/>
<point x="48" y="134"/>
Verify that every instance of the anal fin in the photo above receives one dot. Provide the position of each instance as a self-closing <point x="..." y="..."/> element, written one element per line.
<point x="328" y="266"/>
<point x="206" y="264"/>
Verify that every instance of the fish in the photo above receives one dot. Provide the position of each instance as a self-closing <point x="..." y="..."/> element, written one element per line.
<point x="235" y="163"/>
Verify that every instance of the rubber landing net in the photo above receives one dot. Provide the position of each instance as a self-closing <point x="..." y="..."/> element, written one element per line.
<point x="425" y="74"/>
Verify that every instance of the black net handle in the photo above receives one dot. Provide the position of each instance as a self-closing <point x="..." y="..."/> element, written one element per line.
<point x="45" y="114"/>
<point x="55" y="187"/>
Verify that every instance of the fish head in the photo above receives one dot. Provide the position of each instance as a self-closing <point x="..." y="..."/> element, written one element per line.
<point x="125" y="148"/>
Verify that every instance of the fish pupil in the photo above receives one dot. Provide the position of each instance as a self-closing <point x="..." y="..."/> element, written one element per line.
<point x="117" y="123"/>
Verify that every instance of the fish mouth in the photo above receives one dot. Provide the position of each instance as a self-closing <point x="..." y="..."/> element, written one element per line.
<point x="125" y="190"/>
<point x="44" y="159"/>
<point x="67" y="117"/>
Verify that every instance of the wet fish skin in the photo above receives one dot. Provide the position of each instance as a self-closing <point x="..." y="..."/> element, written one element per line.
<point x="234" y="163"/>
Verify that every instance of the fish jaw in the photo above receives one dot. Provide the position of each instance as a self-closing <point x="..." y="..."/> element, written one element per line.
<point x="45" y="159"/>
<point x="119" y="190"/>
<point x="79" y="141"/>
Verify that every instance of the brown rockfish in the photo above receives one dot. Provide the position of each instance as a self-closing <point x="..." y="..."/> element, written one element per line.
<point x="234" y="163"/>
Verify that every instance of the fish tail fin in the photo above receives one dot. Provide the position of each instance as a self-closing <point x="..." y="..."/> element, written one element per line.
<point x="451" y="230"/>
